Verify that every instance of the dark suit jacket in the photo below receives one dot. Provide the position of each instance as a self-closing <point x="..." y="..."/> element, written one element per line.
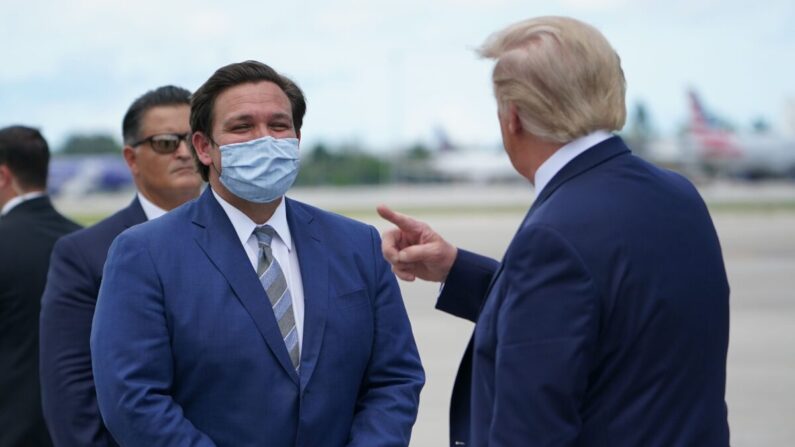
<point x="187" y="351"/>
<point x="606" y="322"/>
<point x="27" y="235"/>
<point x="67" y="383"/>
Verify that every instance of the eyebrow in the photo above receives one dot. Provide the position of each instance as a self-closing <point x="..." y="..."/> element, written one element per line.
<point x="249" y="117"/>
<point x="238" y="118"/>
<point x="281" y="115"/>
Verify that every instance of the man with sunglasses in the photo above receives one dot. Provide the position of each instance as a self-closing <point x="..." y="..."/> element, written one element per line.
<point x="155" y="129"/>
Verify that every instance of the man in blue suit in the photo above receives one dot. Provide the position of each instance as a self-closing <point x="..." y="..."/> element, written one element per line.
<point x="606" y="323"/>
<point x="155" y="130"/>
<point x="245" y="318"/>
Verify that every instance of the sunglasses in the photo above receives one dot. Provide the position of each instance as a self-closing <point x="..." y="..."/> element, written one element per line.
<point x="164" y="143"/>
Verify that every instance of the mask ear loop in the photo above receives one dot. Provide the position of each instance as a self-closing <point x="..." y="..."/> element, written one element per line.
<point x="212" y="163"/>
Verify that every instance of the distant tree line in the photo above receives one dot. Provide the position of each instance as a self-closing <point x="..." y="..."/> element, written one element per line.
<point x="349" y="164"/>
<point x="82" y="144"/>
<point x="321" y="164"/>
<point x="345" y="165"/>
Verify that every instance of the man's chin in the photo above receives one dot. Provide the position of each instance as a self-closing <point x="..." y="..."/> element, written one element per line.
<point x="187" y="184"/>
<point x="187" y="170"/>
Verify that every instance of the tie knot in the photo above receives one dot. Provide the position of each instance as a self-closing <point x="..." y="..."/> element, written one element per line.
<point x="264" y="235"/>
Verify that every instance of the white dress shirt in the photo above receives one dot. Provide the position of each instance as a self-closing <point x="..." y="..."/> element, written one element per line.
<point x="283" y="251"/>
<point x="564" y="155"/>
<point x="151" y="210"/>
<point x="19" y="199"/>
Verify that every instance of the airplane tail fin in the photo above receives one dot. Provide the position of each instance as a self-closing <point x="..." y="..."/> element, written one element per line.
<point x="443" y="140"/>
<point x="713" y="140"/>
<point x="698" y="118"/>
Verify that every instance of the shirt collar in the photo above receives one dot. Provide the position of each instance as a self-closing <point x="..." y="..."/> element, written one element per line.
<point x="564" y="155"/>
<point x="151" y="210"/>
<point x="244" y="226"/>
<point x="14" y="202"/>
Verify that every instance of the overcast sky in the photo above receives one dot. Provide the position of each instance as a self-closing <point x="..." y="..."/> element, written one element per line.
<point x="379" y="73"/>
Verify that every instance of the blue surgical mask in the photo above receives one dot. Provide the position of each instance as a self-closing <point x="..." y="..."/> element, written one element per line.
<point x="260" y="170"/>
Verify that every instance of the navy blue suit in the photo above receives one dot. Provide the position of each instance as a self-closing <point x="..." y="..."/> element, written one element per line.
<point x="606" y="323"/>
<point x="187" y="351"/>
<point x="67" y="383"/>
<point x="27" y="235"/>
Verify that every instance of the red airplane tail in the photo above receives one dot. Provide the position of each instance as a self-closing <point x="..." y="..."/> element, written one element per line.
<point x="713" y="140"/>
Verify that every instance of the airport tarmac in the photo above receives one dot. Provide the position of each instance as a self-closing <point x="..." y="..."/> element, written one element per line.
<point x="759" y="251"/>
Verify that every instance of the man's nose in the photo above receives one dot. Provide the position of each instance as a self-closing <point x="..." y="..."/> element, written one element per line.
<point x="183" y="151"/>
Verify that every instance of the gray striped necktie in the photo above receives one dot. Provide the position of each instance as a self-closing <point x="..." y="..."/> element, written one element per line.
<point x="275" y="284"/>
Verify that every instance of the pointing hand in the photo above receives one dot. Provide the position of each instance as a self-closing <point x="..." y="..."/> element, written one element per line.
<point x="414" y="249"/>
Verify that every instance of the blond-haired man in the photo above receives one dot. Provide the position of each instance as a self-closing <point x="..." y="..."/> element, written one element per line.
<point x="606" y="323"/>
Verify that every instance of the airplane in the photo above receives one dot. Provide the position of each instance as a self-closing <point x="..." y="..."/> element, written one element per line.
<point x="77" y="175"/>
<point x="478" y="164"/>
<point x="719" y="150"/>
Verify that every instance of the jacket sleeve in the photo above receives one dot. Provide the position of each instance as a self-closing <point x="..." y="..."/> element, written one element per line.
<point x="387" y="405"/>
<point x="131" y="353"/>
<point x="466" y="285"/>
<point x="546" y="331"/>
<point x="69" y="400"/>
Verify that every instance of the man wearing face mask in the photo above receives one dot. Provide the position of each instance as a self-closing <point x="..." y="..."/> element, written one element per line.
<point x="247" y="318"/>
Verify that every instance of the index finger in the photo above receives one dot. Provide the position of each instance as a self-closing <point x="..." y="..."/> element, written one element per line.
<point x="403" y="222"/>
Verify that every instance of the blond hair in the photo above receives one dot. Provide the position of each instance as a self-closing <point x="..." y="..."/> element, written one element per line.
<point x="561" y="74"/>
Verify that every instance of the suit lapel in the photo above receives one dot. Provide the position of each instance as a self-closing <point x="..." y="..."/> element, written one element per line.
<point x="216" y="236"/>
<point x="502" y="262"/>
<point x="133" y="214"/>
<point x="313" y="261"/>
<point x="586" y="161"/>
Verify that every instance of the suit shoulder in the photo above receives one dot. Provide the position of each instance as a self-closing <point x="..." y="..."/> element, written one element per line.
<point x="57" y="220"/>
<point x="98" y="236"/>
<point x="68" y="225"/>
<point x="164" y="228"/>
<point x="622" y="182"/>
<point x="111" y="225"/>
<point x="51" y="222"/>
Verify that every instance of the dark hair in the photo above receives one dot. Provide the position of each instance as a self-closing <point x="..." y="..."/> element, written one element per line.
<point x="26" y="154"/>
<point x="203" y="101"/>
<point x="162" y="96"/>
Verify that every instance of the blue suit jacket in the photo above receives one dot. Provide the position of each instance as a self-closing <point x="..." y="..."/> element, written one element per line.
<point x="606" y="323"/>
<point x="187" y="352"/>
<point x="67" y="383"/>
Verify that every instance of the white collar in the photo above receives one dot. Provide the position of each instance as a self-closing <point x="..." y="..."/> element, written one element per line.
<point x="151" y="210"/>
<point x="244" y="226"/>
<point x="564" y="155"/>
<point x="19" y="199"/>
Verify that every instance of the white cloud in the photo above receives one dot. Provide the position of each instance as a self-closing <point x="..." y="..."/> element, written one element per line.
<point x="375" y="71"/>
